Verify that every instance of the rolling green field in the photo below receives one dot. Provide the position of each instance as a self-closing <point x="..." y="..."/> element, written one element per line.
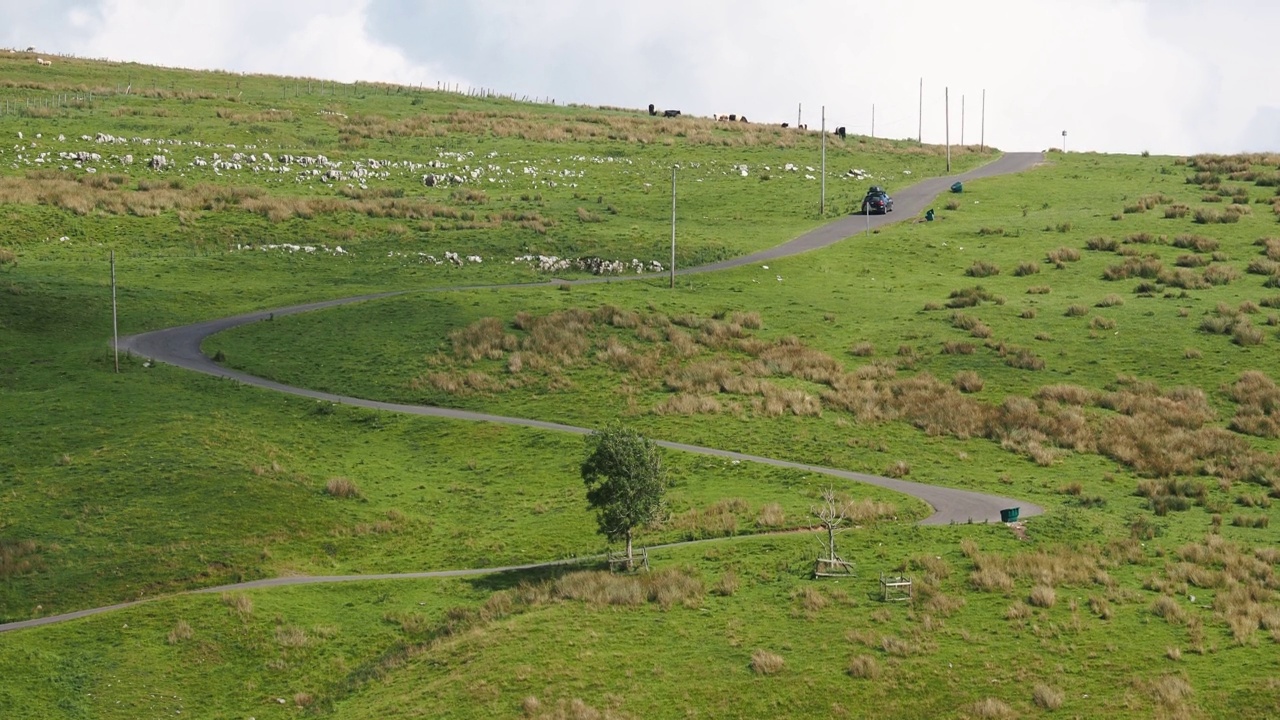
<point x="1095" y="336"/>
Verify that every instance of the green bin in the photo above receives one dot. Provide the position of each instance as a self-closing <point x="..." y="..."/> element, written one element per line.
<point x="1009" y="515"/>
<point x="957" y="187"/>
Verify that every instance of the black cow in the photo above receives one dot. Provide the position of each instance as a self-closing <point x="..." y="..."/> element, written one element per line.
<point x="840" y="132"/>
<point x="670" y="113"/>
<point x="652" y="109"/>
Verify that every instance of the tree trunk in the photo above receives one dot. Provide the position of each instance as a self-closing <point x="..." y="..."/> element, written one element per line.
<point x="629" y="567"/>
<point x="831" y="541"/>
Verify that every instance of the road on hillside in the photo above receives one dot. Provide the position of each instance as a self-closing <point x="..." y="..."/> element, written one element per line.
<point x="180" y="346"/>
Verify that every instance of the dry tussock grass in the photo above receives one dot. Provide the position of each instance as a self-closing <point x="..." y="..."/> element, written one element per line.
<point x="764" y="662"/>
<point x="238" y="603"/>
<point x="341" y="487"/>
<point x="665" y="587"/>
<point x="718" y="520"/>
<point x="19" y="557"/>
<point x="1046" y="696"/>
<point x="1257" y="399"/>
<point x="575" y="709"/>
<point x="181" y="632"/>
<point x="686" y="404"/>
<point x="771" y="516"/>
<point x="990" y="709"/>
<point x="968" y="381"/>
<point x="864" y="667"/>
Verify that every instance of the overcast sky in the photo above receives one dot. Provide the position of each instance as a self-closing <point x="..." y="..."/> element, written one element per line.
<point x="1169" y="76"/>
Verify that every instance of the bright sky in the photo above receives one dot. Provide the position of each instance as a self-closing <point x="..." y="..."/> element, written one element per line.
<point x="1168" y="76"/>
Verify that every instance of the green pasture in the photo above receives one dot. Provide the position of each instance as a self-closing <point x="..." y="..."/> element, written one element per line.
<point x="155" y="481"/>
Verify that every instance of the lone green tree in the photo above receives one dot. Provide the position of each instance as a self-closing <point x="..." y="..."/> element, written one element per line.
<point x="625" y="481"/>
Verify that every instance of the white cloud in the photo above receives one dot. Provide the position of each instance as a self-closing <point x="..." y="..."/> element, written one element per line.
<point x="1175" y="76"/>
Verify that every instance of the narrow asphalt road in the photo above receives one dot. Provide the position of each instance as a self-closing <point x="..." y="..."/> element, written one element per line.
<point x="180" y="346"/>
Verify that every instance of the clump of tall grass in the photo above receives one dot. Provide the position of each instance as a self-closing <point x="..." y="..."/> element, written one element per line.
<point x="969" y="297"/>
<point x="1199" y="243"/>
<point x="1149" y="268"/>
<point x="862" y="349"/>
<point x="764" y="662"/>
<point x="181" y="632"/>
<point x="990" y="709"/>
<point x="968" y="381"/>
<point x="1046" y="696"/>
<point x="1026" y="268"/>
<point x="1221" y="274"/>
<point x="1101" y="243"/>
<point x="982" y="268"/>
<point x="1183" y="278"/>
<point x="771" y="516"/>
<point x="1063" y="255"/>
<point x="341" y="487"/>
<point x="864" y="667"/>
<point x="19" y="557"/>
<point x="1257" y="401"/>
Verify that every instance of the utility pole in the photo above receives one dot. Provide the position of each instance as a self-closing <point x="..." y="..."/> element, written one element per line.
<point x="822" y="202"/>
<point x="798" y="108"/>
<point x="1064" y="141"/>
<point x="920" y="130"/>
<point x="115" y="327"/>
<point x="946" y="105"/>
<point x="673" y="227"/>
<point x="982" y="137"/>
<point x="962" y="120"/>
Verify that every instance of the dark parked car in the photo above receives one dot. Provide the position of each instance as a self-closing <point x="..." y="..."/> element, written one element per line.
<point x="877" y="201"/>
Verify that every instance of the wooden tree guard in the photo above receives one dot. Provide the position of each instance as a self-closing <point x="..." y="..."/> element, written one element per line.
<point x="895" y="587"/>
<point x="618" y="560"/>
<point x="832" y="567"/>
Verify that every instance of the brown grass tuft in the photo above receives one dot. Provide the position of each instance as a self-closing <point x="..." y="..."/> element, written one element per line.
<point x="764" y="662"/>
<point x="982" y="268"/>
<point x="1047" y="697"/>
<point x="771" y="516"/>
<point x="990" y="709"/>
<point x="864" y="667"/>
<point x="968" y="381"/>
<point x="181" y="632"/>
<point x="341" y="487"/>
<point x="1043" y="596"/>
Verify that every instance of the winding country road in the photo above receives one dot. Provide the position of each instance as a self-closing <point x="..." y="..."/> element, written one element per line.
<point x="180" y="346"/>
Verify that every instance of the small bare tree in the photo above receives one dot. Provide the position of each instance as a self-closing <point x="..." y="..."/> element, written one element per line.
<point x="832" y="515"/>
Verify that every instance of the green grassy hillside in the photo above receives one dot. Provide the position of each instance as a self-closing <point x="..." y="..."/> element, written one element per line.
<point x="1094" y="336"/>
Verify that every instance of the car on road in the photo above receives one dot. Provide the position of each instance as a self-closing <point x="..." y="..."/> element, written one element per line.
<point x="877" y="201"/>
